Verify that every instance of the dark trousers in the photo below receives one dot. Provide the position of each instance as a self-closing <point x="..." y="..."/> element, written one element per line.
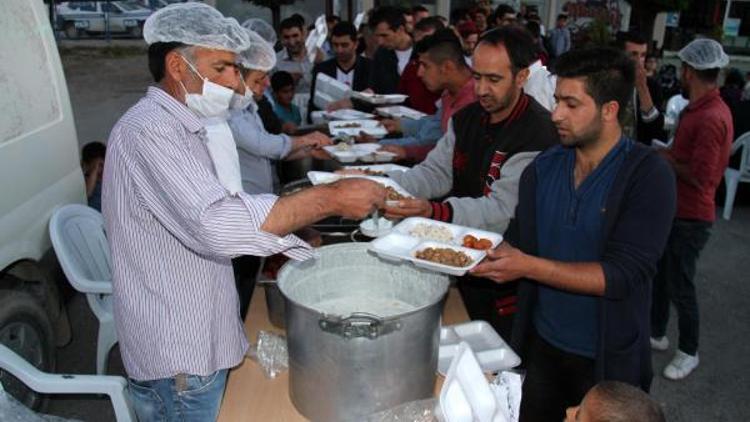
<point x="486" y="300"/>
<point x="245" y="274"/>
<point x="555" y="380"/>
<point x="675" y="282"/>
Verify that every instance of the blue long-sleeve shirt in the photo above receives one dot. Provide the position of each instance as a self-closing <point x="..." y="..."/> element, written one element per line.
<point x="256" y="148"/>
<point x="424" y="131"/>
<point x="569" y="229"/>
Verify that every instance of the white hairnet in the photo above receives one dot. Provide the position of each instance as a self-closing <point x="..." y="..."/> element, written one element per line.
<point x="195" y="24"/>
<point x="259" y="55"/>
<point x="262" y="28"/>
<point x="704" y="53"/>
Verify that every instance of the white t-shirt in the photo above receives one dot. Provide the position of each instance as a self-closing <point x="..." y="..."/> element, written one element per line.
<point x="541" y="85"/>
<point x="403" y="59"/>
<point x="345" y="77"/>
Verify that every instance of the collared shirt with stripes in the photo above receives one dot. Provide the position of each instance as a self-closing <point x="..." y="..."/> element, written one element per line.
<point x="172" y="230"/>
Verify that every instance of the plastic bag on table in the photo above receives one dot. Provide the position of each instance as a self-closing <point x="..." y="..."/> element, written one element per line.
<point x="413" y="411"/>
<point x="11" y="410"/>
<point x="507" y="388"/>
<point x="271" y="353"/>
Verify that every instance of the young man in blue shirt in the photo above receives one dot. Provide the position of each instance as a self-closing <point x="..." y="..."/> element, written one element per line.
<point x="592" y="220"/>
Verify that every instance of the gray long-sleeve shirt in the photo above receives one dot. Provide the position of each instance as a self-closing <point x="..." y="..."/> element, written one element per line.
<point x="433" y="178"/>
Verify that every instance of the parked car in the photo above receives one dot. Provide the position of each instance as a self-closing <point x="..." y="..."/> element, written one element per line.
<point x="158" y="4"/>
<point x="39" y="170"/>
<point x="76" y="18"/>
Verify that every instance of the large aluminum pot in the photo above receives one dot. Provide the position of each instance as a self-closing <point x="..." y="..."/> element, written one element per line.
<point x="362" y="333"/>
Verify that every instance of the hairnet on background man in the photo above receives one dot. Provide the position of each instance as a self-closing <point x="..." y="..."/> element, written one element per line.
<point x="196" y="24"/>
<point x="262" y="28"/>
<point x="704" y="53"/>
<point x="259" y="55"/>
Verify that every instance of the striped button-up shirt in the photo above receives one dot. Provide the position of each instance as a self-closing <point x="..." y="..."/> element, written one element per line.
<point x="172" y="231"/>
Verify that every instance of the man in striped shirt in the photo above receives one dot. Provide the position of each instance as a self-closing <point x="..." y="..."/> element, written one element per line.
<point x="173" y="228"/>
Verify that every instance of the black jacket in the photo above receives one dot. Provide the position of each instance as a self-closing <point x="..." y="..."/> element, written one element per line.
<point x="271" y="122"/>
<point x="384" y="76"/>
<point x="648" y="131"/>
<point x="361" y="81"/>
<point x="638" y="218"/>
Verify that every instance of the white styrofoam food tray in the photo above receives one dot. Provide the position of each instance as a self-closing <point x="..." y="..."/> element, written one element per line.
<point x="409" y="225"/>
<point x="350" y="153"/>
<point x="399" y="247"/>
<point x="385" y="168"/>
<point x="379" y="98"/>
<point x="400" y="112"/>
<point x="369" y="127"/>
<point x="492" y="352"/>
<point x="466" y="395"/>
<point x="323" y="177"/>
<point x="348" y="114"/>
<point x="404" y="242"/>
<point x="378" y="157"/>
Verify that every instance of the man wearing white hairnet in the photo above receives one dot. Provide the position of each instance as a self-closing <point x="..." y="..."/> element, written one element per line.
<point x="699" y="156"/>
<point x="173" y="228"/>
<point x="256" y="146"/>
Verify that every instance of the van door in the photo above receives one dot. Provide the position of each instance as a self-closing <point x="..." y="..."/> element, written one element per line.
<point x="39" y="159"/>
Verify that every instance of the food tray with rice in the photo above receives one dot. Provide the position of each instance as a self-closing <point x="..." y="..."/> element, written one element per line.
<point x="357" y="127"/>
<point x="379" y="99"/>
<point x="394" y="191"/>
<point x="435" y="245"/>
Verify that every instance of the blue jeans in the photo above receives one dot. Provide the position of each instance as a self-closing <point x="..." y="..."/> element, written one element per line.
<point x="181" y="398"/>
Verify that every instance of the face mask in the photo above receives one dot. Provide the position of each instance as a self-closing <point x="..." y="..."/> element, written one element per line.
<point x="240" y="102"/>
<point x="212" y="102"/>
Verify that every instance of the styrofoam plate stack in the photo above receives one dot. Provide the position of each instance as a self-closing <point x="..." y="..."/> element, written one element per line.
<point x="492" y="352"/>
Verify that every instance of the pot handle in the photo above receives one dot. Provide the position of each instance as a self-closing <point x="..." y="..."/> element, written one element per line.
<point x="359" y="324"/>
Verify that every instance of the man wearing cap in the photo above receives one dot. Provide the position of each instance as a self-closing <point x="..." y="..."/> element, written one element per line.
<point x="173" y="228"/>
<point x="699" y="156"/>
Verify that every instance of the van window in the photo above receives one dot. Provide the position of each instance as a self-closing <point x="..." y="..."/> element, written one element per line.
<point x="30" y="96"/>
<point x="87" y="6"/>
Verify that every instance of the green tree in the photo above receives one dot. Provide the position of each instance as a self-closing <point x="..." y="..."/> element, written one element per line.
<point x="643" y="12"/>
<point x="275" y="6"/>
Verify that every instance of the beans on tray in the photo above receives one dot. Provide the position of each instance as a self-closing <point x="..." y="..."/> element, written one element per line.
<point x="445" y="256"/>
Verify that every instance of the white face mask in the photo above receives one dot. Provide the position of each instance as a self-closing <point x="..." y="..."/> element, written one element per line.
<point x="212" y="102"/>
<point x="240" y="102"/>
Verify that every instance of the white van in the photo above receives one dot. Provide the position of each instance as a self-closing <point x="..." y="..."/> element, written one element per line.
<point x="39" y="170"/>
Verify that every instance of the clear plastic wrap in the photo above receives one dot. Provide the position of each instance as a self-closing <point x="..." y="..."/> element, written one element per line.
<point x="507" y="388"/>
<point x="271" y="353"/>
<point x="11" y="410"/>
<point x="415" y="411"/>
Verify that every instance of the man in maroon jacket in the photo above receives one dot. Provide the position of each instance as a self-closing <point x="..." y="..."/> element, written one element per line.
<point x="699" y="156"/>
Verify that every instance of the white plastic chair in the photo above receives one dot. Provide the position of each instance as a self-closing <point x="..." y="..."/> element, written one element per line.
<point x="43" y="382"/>
<point x="77" y="234"/>
<point x="733" y="177"/>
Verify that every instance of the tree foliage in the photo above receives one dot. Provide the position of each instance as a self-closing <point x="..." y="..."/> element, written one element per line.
<point x="660" y="5"/>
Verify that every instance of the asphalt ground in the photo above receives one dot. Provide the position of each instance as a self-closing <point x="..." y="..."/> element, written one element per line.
<point x="104" y="84"/>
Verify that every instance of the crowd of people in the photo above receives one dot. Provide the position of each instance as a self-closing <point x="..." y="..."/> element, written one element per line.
<point x="602" y="230"/>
